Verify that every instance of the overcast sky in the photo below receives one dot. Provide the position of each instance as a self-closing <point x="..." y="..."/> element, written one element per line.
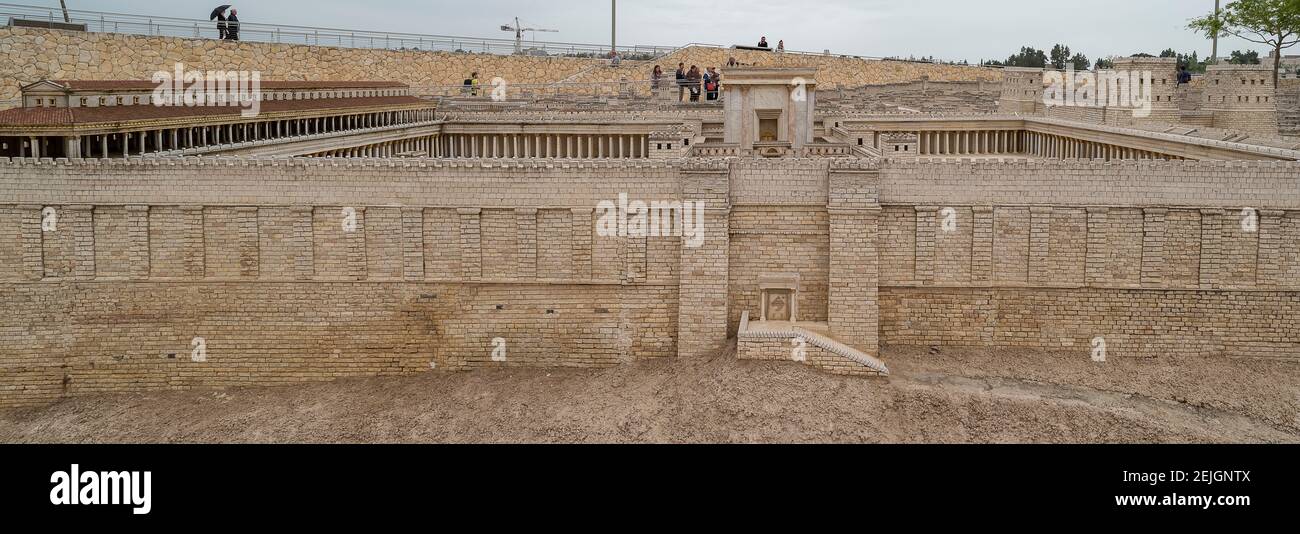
<point x="946" y="29"/>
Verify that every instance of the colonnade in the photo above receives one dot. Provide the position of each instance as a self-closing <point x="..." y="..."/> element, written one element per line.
<point x="1043" y="145"/>
<point x="136" y="143"/>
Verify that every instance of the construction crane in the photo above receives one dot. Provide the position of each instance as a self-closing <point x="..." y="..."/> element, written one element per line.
<point x="519" y="33"/>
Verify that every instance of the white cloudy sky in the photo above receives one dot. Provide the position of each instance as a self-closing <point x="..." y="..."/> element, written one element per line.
<point x="948" y="29"/>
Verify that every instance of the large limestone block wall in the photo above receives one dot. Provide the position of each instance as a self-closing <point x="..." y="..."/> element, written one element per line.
<point x="1156" y="258"/>
<point x="445" y="262"/>
<point x="33" y="54"/>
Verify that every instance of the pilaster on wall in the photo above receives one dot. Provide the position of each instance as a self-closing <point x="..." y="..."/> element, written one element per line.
<point x="583" y="227"/>
<point x="982" y="246"/>
<point x="855" y="211"/>
<point x="1095" y="271"/>
<point x="249" y="242"/>
<point x="33" y="247"/>
<point x="926" y="227"/>
<point x="358" y="265"/>
<point x="1040" y="238"/>
<point x="304" y="259"/>
<point x="195" y="250"/>
<point x="526" y="237"/>
<point x="1267" y="271"/>
<point x="1211" y="248"/>
<point x="635" y="258"/>
<point x="1153" y="246"/>
<point x="413" y="244"/>
<point x="471" y="240"/>
<point x="702" y="313"/>
<point x="137" y="225"/>
<point x="83" y="242"/>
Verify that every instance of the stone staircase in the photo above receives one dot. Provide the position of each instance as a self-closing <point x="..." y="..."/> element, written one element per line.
<point x="790" y="342"/>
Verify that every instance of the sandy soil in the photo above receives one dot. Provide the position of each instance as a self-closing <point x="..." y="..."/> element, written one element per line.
<point x="954" y="395"/>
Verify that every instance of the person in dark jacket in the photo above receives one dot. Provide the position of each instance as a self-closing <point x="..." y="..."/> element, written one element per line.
<point x="1184" y="77"/>
<point x="681" y="81"/>
<point x="232" y="25"/>
<point x="693" y="79"/>
<point x="221" y="25"/>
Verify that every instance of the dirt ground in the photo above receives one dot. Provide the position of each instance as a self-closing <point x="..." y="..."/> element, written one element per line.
<point x="948" y="396"/>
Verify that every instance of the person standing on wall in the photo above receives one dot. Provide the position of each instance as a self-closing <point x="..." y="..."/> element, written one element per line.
<point x="693" y="78"/>
<point x="221" y="25"/>
<point x="681" y="81"/>
<point x="471" y="85"/>
<point x="713" y="84"/>
<point x="656" y="81"/>
<point x="232" y="25"/>
<point x="762" y="43"/>
<point x="1184" y="77"/>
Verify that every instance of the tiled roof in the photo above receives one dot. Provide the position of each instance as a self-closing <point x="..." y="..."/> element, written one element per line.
<point x="91" y="115"/>
<point x="147" y="85"/>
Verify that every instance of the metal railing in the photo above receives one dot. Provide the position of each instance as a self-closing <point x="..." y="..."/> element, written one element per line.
<point x="106" y="22"/>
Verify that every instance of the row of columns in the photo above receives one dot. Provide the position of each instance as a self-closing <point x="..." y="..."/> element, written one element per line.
<point x="939" y="143"/>
<point x="420" y="147"/>
<point x="574" y="146"/>
<point x="1062" y="147"/>
<point x="126" y="144"/>
<point x="992" y="142"/>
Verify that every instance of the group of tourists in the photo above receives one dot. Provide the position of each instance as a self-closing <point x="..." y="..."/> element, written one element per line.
<point x="227" y="25"/>
<point x="692" y="81"/>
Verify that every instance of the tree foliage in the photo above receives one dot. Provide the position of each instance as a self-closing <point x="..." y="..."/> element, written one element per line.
<point x="1275" y="23"/>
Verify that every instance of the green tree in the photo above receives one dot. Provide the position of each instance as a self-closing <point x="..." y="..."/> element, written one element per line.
<point x="1105" y="64"/>
<point x="1169" y="52"/>
<point x="1275" y="23"/>
<point x="1249" y="57"/>
<point x="1028" y="57"/>
<point x="1080" y="62"/>
<point x="1060" y="56"/>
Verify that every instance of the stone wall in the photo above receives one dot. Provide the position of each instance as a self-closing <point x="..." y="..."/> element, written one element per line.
<point x="450" y="259"/>
<point x="33" y="54"/>
<point x="444" y="263"/>
<point x="1155" y="265"/>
